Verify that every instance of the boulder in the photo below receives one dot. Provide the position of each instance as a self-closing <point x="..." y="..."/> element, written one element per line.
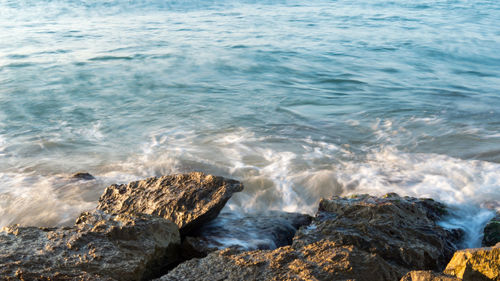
<point x="427" y="275"/>
<point x="252" y="231"/>
<point x="99" y="246"/>
<point x="476" y="264"/>
<point x="492" y="232"/>
<point x="189" y="200"/>
<point x="83" y="176"/>
<point x="358" y="238"/>
<point x="401" y="230"/>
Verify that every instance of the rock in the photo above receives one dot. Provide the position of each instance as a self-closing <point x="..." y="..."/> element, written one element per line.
<point x="427" y="275"/>
<point x="83" y="176"/>
<point x="99" y="247"/>
<point x="476" y="264"/>
<point x="322" y="260"/>
<point x="189" y="200"/>
<point x="25" y="276"/>
<point x="402" y="230"/>
<point x="492" y="232"/>
<point x="197" y="247"/>
<point x="359" y="238"/>
<point x="248" y="232"/>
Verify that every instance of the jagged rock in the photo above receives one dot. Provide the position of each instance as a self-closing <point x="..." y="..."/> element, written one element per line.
<point x="99" y="247"/>
<point x="248" y="232"/>
<point x="322" y="260"/>
<point x="402" y="230"/>
<point x="359" y="238"/>
<point x="427" y="275"/>
<point x="476" y="264"/>
<point x="83" y="176"/>
<point x="492" y="231"/>
<point x="189" y="200"/>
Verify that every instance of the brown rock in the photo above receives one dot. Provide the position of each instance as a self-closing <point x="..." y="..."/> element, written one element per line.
<point x="323" y="260"/>
<point x="427" y="275"/>
<point x="99" y="247"/>
<point x="401" y="230"/>
<point x="29" y="276"/>
<point x="197" y="247"/>
<point x="189" y="200"/>
<point x="476" y="264"/>
<point x="359" y="238"/>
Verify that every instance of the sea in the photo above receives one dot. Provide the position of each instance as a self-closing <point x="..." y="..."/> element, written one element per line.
<point x="299" y="100"/>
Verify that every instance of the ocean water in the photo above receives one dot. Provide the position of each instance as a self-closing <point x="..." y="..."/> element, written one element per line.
<point x="297" y="99"/>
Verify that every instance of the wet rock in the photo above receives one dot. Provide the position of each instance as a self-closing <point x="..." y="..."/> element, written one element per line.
<point x="197" y="247"/>
<point x="83" y="176"/>
<point x="476" y="264"/>
<point x="99" y="247"/>
<point x="402" y="230"/>
<point x="189" y="200"/>
<point x="427" y="275"/>
<point x="359" y="238"/>
<point x="492" y="231"/>
<point x="262" y="231"/>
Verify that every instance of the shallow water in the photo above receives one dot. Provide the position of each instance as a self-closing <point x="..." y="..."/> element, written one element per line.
<point x="298" y="99"/>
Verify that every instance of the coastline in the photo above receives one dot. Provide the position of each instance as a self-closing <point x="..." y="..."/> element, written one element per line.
<point x="161" y="228"/>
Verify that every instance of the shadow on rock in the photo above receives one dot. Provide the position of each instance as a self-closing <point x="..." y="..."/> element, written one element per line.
<point x="246" y="232"/>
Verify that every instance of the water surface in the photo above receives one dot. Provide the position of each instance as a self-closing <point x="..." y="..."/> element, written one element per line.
<point x="298" y="99"/>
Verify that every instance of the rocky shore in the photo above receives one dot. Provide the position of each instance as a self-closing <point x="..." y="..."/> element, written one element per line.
<point x="169" y="228"/>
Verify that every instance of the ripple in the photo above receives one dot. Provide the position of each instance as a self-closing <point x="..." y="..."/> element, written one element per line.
<point x="20" y="65"/>
<point x="110" y="58"/>
<point x="17" y="56"/>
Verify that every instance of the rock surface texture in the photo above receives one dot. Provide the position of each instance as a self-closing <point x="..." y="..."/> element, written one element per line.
<point x="189" y="200"/>
<point x="361" y="238"/>
<point x="427" y="275"/>
<point x="99" y="247"/>
<point x="476" y="264"/>
<point x="135" y="234"/>
<point x="492" y="232"/>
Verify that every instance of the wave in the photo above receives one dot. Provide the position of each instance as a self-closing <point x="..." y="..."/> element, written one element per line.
<point x="35" y="200"/>
<point x="292" y="175"/>
<point x="279" y="173"/>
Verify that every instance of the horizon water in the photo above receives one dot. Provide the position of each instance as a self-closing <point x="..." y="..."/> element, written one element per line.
<point x="299" y="100"/>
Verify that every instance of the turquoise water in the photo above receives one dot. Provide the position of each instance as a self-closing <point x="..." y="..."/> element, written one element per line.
<point x="298" y="99"/>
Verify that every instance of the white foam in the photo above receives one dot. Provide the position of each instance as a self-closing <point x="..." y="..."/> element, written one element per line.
<point x="92" y="132"/>
<point x="472" y="220"/>
<point x="35" y="200"/>
<point x="278" y="174"/>
<point x="262" y="164"/>
<point x="352" y="122"/>
<point x="294" y="175"/>
<point x="492" y="135"/>
<point x="441" y="177"/>
<point x="427" y="120"/>
<point x="3" y="145"/>
<point x="469" y="186"/>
